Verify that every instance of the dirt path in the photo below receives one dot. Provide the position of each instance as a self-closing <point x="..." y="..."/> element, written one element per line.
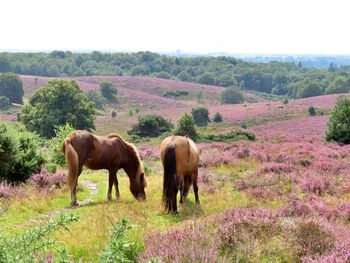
<point x="53" y="214"/>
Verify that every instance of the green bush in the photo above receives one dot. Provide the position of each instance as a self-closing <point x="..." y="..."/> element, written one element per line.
<point x="108" y="90"/>
<point x="186" y="127"/>
<point x="4" y="103"/>
<point x="338" y="126"/>
<point x="55" y="144"/>
<point x="32" y="245"/>
<point x="175" y="93"/>
<point x="217" y="117"/>
<point x="20" y="154"/>
<point x="232" y="95"/>
<point x="96" y="98"/>
<point x="200" y="116"/>
<point x="312" y="111"/>
<point x="11" y="86"/>
<point x="237" y="135"/>
<point x="151" y="126"/>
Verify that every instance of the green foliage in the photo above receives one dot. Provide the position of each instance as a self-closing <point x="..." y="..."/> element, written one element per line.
<point x="186" y="127"/>
<point x="175" y="93"/>
<point x="32" y="245"/>
<point x="207" y="78"/>
<point x="217" y="117"/>
<point x="338" y="85"/>
<point x="243" y="125"/>
<point x="20" y="154"/>
<point x="57" y="103"/>
<point x="96" y="98"/>
<point x="4" y="103"/>
<point x="237" y="135"/>
<point x="55" y="144"/>
<point x="11" y="86"/>
<point x="200" y="116"/>
<point x="108" y="90"/>
<point x="312" y="111"/>
<point x="151" y="126"/>
<point x="184" y="76"/>
<point x="231" y="96"/>
<point x="162" y="75"/>
<point x="285" y="100"/>
<point x="308" y="88"/>
<point x="338" y="126"/>
<point x="113" y="114"/>
<point x="119" y="249"/>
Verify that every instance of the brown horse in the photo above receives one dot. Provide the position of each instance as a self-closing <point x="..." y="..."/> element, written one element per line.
<point x="99" y="152"/>
<point x="180" y="158"/>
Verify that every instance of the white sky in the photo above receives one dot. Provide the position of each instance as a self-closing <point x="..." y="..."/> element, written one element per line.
<point x="243" y="26"/>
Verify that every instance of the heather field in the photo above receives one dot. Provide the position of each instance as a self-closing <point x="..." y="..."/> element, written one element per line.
<point x="282" y="198"/>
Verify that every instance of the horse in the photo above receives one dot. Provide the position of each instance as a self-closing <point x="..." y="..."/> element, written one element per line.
<point x="110" y="152"/>
<point x="180" y="159"/>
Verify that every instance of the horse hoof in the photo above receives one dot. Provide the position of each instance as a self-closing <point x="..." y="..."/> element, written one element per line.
<point x="74" y="204"/>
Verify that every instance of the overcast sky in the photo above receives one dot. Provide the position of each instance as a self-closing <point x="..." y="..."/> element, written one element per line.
<point x="244" y="26"/>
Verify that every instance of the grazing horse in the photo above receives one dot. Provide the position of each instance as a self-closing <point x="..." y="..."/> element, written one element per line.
<point x="180" y="158"/>
<point x="110" y="152"/>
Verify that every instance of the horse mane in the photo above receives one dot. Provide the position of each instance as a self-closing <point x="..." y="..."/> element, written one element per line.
<point x="131" y="147"/>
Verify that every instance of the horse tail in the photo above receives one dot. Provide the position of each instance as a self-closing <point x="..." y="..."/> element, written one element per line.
<point x="72" y="162"/>
<point x="170" y="184"/>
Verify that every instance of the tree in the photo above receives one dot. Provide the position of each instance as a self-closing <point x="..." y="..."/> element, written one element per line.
<point x="186" y="127"/>
<point x="4" y="103"/>
<point x="96" y="98"/>
<point x="184" y="76"/>
<point x="151" y="126"/>
<point x="4" y="64"/>
<point x="11" y="86"/>
<point x="108" y="90"/>
<point x="338" y="85"/>
<point x="200" y="116"/>
<point x="338" y="126"/>
<point x="57" y="103"/>
<point x="207" y="78"/>
<point x="217" y="117"/>
<point x="231" y="95"/>
<point x="308" y="88"/>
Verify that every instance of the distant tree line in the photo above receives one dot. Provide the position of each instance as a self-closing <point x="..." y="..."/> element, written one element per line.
<point x="280" y="78"/>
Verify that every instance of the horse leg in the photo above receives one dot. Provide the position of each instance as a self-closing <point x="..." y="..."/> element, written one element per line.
<point x="110" y="185"/>
<point x="187" y="185"/>
<point x="117" y="195"/>
<point x="74" y="201"/>
<point x="182" y="192"/>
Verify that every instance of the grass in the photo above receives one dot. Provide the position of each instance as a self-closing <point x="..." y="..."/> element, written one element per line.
<point x="89" y="236"/>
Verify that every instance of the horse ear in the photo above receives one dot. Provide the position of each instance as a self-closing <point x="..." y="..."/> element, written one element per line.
<point x="143" y="180"/>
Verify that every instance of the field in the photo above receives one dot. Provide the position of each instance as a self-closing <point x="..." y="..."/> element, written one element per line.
<point x="282" y="198"/>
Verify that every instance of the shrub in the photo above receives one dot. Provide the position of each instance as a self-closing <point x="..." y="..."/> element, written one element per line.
<point x="55" y="144"/>
<point x="96" y="98"/>
<point x="108" y="90"/>
<point x="237" y="135"/>
<point x="186" y="127"/>
<point x="175" y="93"/>
<point x="338" y="126"/>
<point x="217" y="117"/>
<point x="32" y="244"/>
<point x="151" y="126"/>
<point x="285" y="100"/>
<point x="47" y="180"/>
<point x="20" y="155"/>
<point x="8" y="190"/>
<point x="113" y="114"/>
<point x="4" y="103"/>
<point x="232" y="95"/>
<point x="200" y="116"/>
<point x="312" y="111"/>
